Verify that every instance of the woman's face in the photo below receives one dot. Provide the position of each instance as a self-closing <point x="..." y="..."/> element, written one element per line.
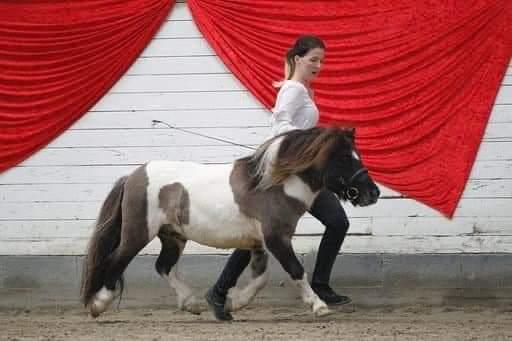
<point x="308" y="66"/>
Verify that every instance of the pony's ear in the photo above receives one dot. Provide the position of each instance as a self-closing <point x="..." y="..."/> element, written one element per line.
<point x="351" y="133"/>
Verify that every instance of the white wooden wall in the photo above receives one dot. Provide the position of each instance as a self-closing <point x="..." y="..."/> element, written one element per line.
<point x="49" y="202"/>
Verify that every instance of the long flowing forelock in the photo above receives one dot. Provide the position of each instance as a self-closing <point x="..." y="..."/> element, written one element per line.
<point x="301" y="150"/>
<point x="263" y="160"/>
<point x="292" y="153"/>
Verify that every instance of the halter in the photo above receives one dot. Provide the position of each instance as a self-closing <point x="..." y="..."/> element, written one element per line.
<point x="351" y="192"/>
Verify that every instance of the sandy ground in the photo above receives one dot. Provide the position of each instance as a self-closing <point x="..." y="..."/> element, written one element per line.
<point x="261" y="322"/>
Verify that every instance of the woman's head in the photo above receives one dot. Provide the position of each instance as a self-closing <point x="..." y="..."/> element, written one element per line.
<point x="304" y="59"/>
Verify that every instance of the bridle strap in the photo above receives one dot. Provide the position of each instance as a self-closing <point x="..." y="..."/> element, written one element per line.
<point x="354" y="176"/>
<point x="352" y="192"/>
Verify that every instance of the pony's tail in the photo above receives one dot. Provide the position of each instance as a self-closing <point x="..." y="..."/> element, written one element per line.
<point x="104" y="240"/>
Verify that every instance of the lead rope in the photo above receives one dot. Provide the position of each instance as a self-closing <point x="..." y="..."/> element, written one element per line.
<point x="155" y="122"/>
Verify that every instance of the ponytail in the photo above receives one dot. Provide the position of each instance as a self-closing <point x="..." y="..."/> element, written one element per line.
<point x="289" y="69"/>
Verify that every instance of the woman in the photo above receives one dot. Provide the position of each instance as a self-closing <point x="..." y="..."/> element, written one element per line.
<point x="295" y="109"/>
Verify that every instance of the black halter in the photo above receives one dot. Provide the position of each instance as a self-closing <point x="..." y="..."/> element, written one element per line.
<point x="351" y="192"/>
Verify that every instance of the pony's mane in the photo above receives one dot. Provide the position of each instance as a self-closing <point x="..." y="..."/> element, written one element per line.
<point x="293" y="152"/>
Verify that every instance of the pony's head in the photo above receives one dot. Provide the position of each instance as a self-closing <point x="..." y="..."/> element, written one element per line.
<point x="321" y="157"/>
<point x="345" y="174"/>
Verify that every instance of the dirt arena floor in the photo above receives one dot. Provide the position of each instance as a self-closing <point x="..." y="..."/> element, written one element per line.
<point x="261" y="322"/>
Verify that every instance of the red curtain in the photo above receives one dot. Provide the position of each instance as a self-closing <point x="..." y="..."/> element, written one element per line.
<point x="417" y="78"/>
<point x="59" y="57"/>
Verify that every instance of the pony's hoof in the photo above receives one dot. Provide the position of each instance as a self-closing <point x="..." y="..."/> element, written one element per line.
<point x="96" y="309"/>
<point x="192" y="305"/>
<point x="94" y="313"/>
<point x="101" y="302"/>
<point x="229" y="304"/>
<point x="323" y="311"/>
<point x="233" y="300"/>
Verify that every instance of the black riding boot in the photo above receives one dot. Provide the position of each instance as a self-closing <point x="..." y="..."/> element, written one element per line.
<point x="327" y="252"/>
<point x="216" y="296"/>
<point x="328" y="210"/>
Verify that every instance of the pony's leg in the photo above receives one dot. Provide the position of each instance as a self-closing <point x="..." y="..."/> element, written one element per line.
<point x="237" y="299"/>
<point x="119" y="260"/>
<point x="172" y="247"/>
<point x="187" y="301"/>
<point x="281" y="247"/>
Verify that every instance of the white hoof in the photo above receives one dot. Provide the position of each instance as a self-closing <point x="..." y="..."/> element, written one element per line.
<point x="321" y="309"/>
<point x="192" y="305"/>
<point x="234" y="300"/>
<point x="101" y="302"/>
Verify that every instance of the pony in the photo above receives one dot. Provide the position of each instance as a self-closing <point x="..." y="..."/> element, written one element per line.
<point x="253" y="203"/>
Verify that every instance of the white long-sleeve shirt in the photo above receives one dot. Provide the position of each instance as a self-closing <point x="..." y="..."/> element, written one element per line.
<point x="294" y="109"/>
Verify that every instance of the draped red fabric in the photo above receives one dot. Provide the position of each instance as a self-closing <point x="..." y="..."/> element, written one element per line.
<point x="59" y="57"/>
<point x="417" y="78"/>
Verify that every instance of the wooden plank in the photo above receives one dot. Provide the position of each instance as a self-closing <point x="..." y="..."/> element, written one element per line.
<point x="178" y="29"/>
<point x="49" y="211"/>
<point x="54" y="192"/>
<point x="178" y="48"/>
<point x="64" y="175"/>
<point x="488" y="188"/>
<point x="495" y="169"/>
<point x="498" y="132"/>
<point x="422" y="226"/>
<point x="177" y="101"/>
<point x="495" y="150"/>
<point x="160" y="136"/>
<point x="504" y="95"/>
<point x="302" y="244"/>
<point x="177" y="83"/>
<point x="177" y="66"/>
<point x="202" y="118"/>
<point x="415" y="245"/>
<point x="180" y="11"/>
<point x="51" y="247"/>
<point x="45" y="229"/>
<point x="501" y="113"/>
<point x="134" y="155"/>
<point x="467" y="207"/>
<point x="385" y="208"/>
<point x="83" y="228"/>
<point x="492" y="226"/>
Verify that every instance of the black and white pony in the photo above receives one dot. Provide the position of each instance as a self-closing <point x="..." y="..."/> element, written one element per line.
<point x="253" y="203"/>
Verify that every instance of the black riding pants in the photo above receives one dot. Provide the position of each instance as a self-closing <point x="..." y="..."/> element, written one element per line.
<point x="328" y="210"/>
